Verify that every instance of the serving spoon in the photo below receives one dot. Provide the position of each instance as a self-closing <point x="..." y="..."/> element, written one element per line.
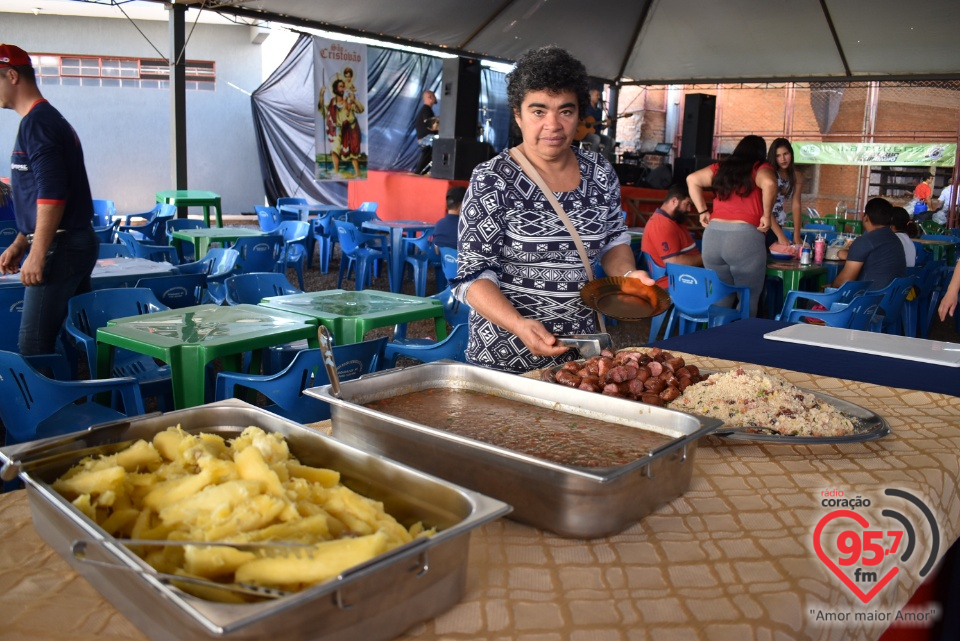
<point x="326" y="347"/>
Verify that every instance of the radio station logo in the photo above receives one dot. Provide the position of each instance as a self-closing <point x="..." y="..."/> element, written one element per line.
<point x="866" y="552"/>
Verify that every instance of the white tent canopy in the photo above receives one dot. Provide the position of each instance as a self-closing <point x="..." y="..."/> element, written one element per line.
<point x="659" y="41"/>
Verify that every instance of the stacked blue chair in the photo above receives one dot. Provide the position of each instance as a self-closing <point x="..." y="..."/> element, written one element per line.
<point x="289" y="215"/>
<point x="114" y="250"/>
<point x="694" y="292"/>
<point x="258" y="254"/>
<point x="187" y="252"/>
<point x="840" y="295"/>
<point x="103" y="212"/>
<point x="421" y="255"/>
<point x="177" y="290"/>
<point x="294" y="251"/>
<point x="159" y="253"/>
<point x="285" y="389"/>
<point x="656" y="272"/>
<point x="325" y="235"/>
<point x="107" y="233"/>
<point x="359" y="250"/>
<point x="453" y="347"/>
<point x="36" y="407"/>
<point x="88" y="312"/>
<point x="218" y="265"/>
<point x="154" y="231"/>
<point x="889" y="320"/>
<point x="857" y="314"/>
<point x="268" y="218"/>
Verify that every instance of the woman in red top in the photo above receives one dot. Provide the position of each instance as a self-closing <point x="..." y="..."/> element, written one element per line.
<point x="745" y="188"/>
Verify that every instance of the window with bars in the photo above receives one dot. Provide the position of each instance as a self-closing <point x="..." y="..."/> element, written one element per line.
<point x="143" y="73"/>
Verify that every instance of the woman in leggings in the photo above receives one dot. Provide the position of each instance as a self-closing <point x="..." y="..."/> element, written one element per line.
<point x="745" y="188"/>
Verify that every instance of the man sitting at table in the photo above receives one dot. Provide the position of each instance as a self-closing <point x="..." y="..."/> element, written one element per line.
<point x="665" y="236"/>
<point x="445" y="231"/>
<point x="877" y="255"/>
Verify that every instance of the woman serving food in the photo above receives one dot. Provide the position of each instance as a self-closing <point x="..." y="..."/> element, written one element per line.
<point x="518" y="266"/>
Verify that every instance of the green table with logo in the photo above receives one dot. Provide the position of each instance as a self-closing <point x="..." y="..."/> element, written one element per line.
<point x="193" y="198"/>
<point x="350" y="315"/>
<point x="190" y="337"/>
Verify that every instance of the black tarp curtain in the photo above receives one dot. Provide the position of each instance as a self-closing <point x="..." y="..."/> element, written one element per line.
<point x="284" y="109"/>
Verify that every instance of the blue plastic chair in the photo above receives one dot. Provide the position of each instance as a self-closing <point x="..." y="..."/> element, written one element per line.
<point x="88" y="312"/>
<point x="158" y="253"/>
<point x="358" y="250"/>
<point x="359" y="216"/>
<point x="694" y="290"/>
<point x="656" y="272"/>
<point x="268" y="218"/>
<point x="104" y="212"/>
<point x="889" y="319"/>
<point x="420" y="254"/>
<point x="8" y="232"/>
<point x="857" y="314"/>
<point x="154" y="231"/>
<point x="284" y="215"/>
<point x="453" y="347"/>
<point x="821" y="227"/>
<point x="35" y="406"/>
<point x="285" y="389"/>
<point x="187" y="251"/>
<point x="454" y="312"/>
<point x="918" y="313"/>
<point x="218" y="265"/>
<point x="107" y="233"/>
<point x="369" y="206"/>
<point x="448" y="262"/>
<point x="114" y="250"/>
<point x="843" y="294"/>
<point x="258" y="254"/>
<point x="176" y="290"/>
<point x="251" y="288"/>
<point x="324" y="235"/>
<point x="294" y="251"/>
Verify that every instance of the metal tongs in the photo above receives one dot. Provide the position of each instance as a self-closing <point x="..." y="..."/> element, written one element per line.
<point x="589" y="345"/>
<point x="81" y="548"/>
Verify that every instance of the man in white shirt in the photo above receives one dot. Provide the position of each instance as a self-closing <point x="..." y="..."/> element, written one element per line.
<point x="945" y="200"/>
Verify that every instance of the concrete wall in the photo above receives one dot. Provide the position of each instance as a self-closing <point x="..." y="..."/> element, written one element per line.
<point x="126" y="131"/>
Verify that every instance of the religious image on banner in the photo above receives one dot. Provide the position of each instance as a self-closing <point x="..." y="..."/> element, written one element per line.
<point x="340" y="79"/>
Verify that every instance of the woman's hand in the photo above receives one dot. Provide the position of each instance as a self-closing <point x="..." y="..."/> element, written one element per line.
<point x="948" y="305"/>
<point x="765" y="225"/>
<point x="537" y="339"/>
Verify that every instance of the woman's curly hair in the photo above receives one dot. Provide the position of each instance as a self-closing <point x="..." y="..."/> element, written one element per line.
<point x="735" y="174"/>
<point x="549" y="69"/>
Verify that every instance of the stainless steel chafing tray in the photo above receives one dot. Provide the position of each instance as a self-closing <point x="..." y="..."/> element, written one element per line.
<point x="377" y="600"/>
<point x="569" y="501"/>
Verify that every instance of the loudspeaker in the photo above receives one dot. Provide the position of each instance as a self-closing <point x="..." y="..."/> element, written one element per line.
<point x="460" y="98"/>
<point x="455" y="158"/>
<point x="660" y="177"/>
<point x="698" y="114"/>
<point x="628" y="174"/>
<point x="683" y="167"/>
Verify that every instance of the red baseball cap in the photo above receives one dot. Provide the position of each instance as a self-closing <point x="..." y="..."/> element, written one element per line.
<point x="13" y="56"/>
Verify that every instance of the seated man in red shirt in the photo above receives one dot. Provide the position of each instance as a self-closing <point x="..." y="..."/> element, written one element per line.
<point x="665" y="236"/>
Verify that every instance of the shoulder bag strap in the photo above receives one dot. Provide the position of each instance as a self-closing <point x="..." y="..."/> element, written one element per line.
<point x="535" y="176"/>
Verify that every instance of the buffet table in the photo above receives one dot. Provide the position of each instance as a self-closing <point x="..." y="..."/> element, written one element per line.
<point x="730" y="559"/>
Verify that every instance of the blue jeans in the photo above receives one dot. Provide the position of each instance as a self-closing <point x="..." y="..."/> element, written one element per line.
<point x="66" y="272"/>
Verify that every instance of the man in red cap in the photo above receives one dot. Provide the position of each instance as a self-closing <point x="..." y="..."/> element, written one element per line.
<point x="52" y="205"/>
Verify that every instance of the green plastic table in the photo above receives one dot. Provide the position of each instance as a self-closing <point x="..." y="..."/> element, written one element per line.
<point x="193" y="198"/>
<point x="350" y="315"/>
<point x="941" y="249"/>
<point x="201" y="238"/>
<point x="190" y="337"/>
<point x="791" y="272"/>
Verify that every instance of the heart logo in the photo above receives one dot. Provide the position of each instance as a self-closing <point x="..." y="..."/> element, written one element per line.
<point x="827" y="561"/>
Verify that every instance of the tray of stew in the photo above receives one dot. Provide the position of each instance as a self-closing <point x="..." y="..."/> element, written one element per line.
<point x="753" y="405"/>
<point x="581" y="467"/>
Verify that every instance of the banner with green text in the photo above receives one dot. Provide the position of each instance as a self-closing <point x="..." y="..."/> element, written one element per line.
<point x="869" y="153"/>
